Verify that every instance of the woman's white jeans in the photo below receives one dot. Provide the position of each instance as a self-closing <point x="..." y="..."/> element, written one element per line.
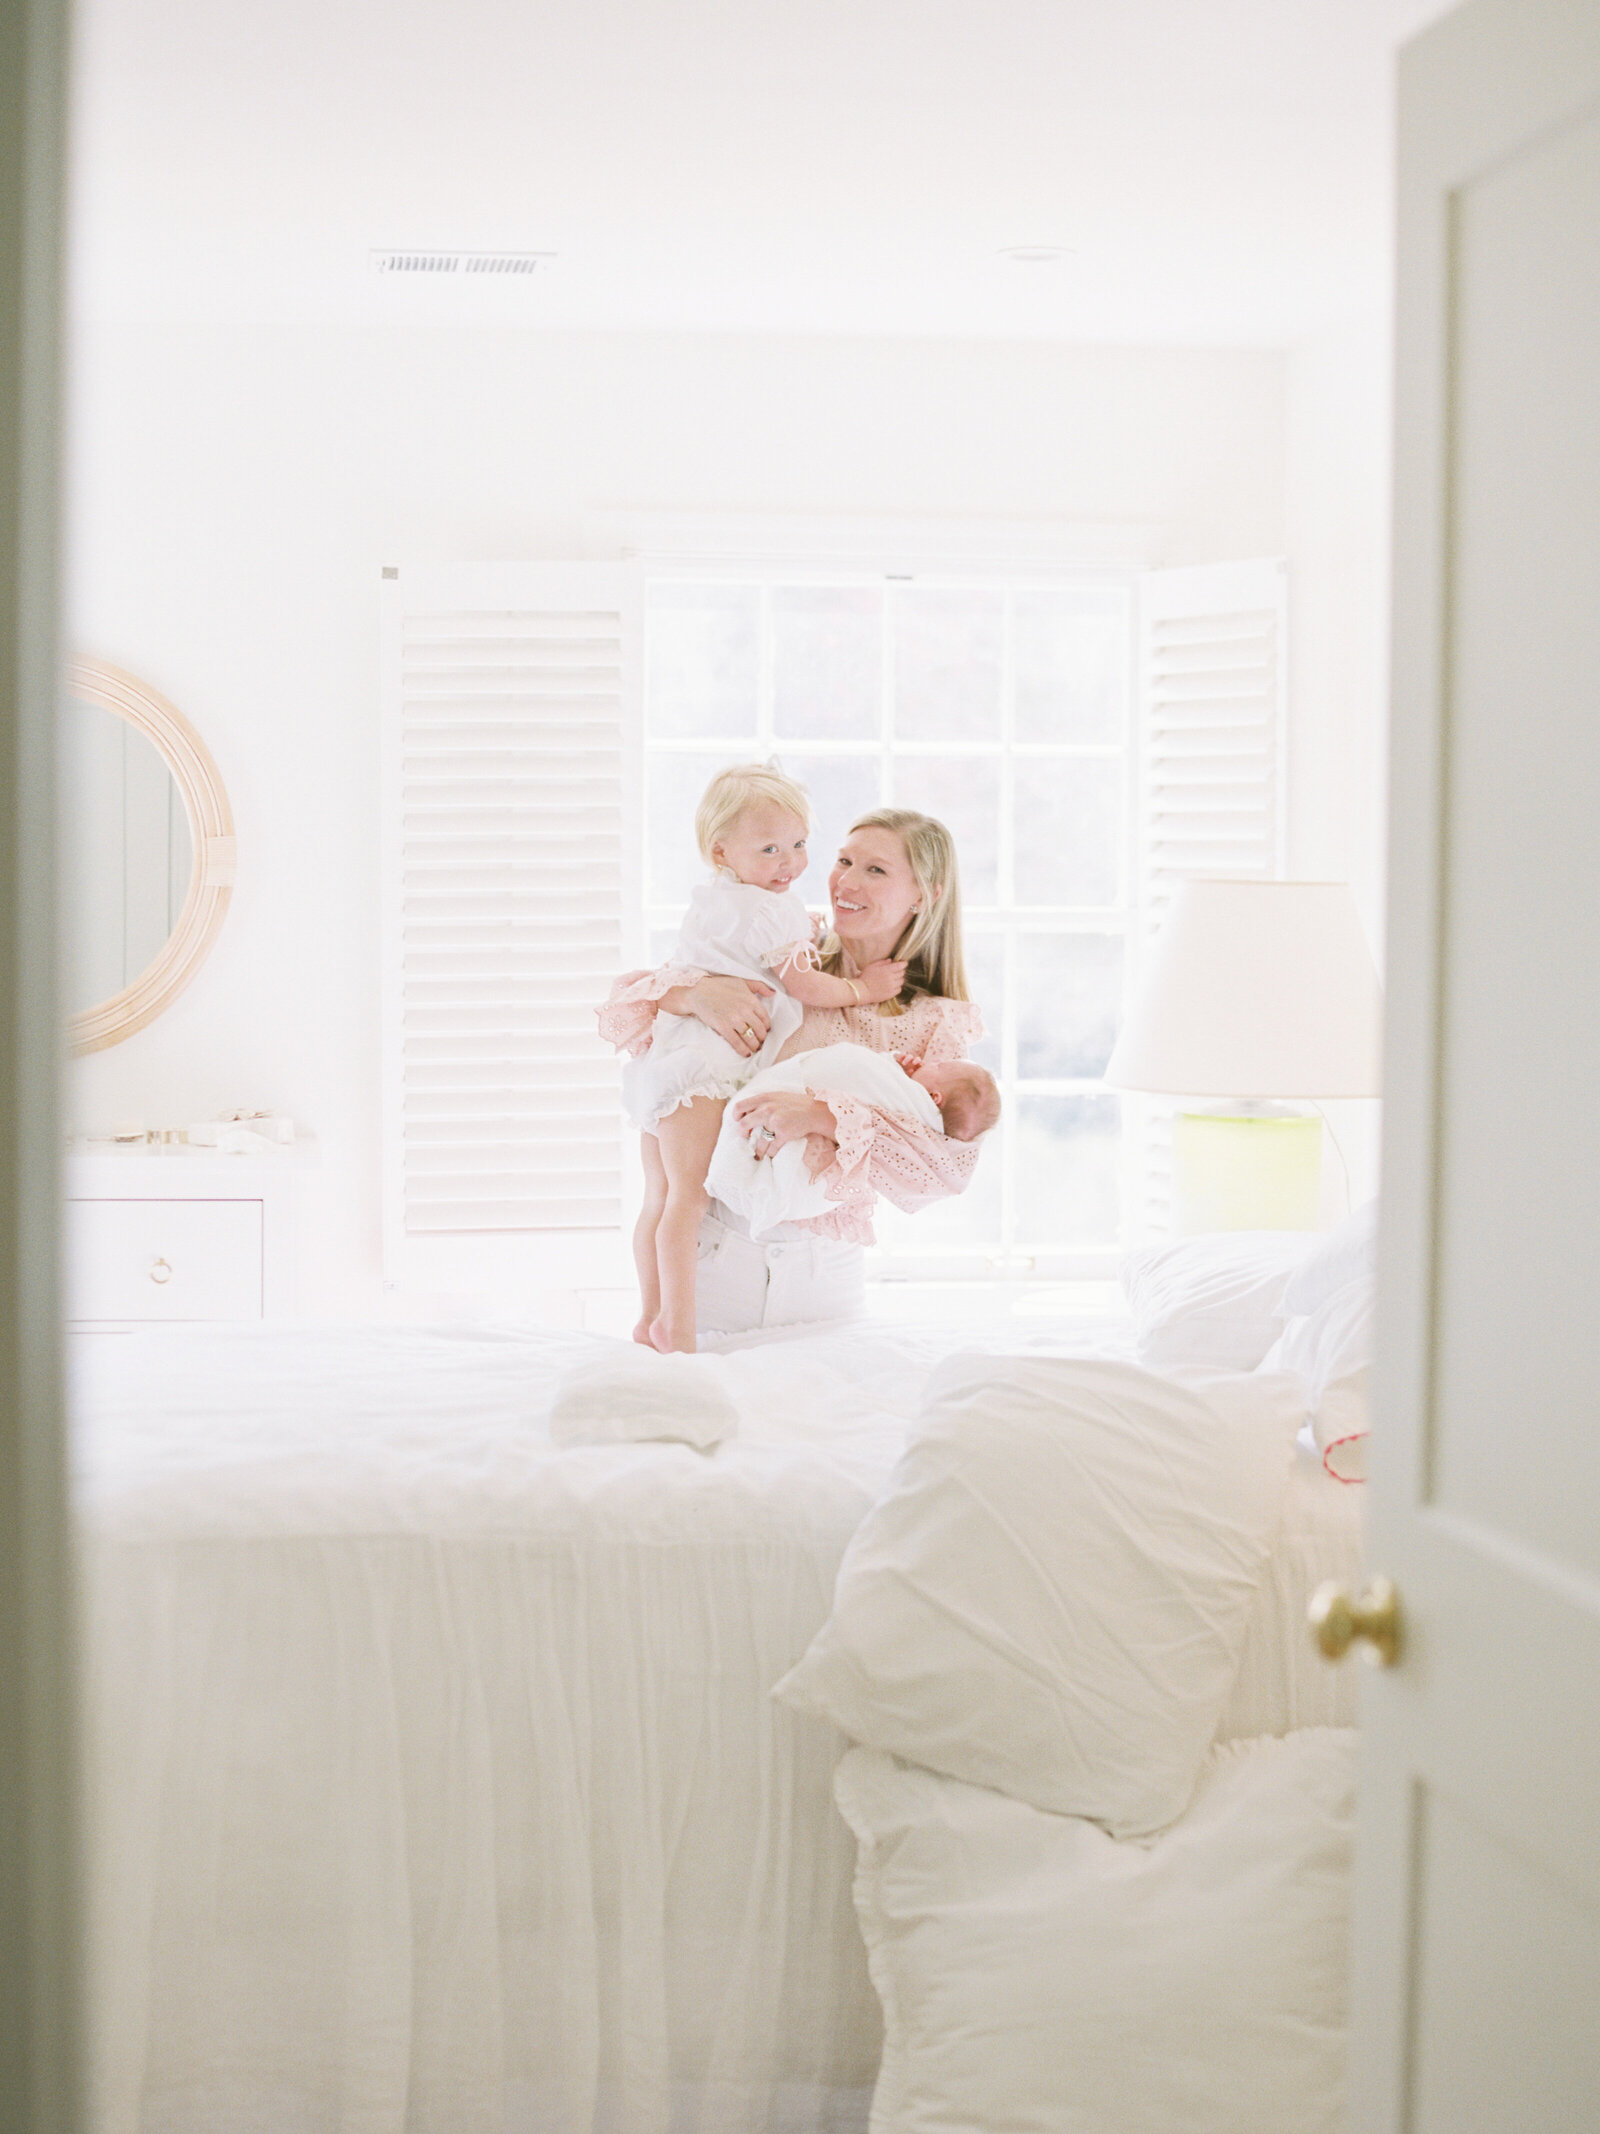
<point x="741" y="1286"/>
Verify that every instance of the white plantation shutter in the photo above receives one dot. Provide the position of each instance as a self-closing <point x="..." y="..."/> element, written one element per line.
<point x="1212" y="716"/>
<point x="511" y="749"/>
<point x="1213" y="707"/>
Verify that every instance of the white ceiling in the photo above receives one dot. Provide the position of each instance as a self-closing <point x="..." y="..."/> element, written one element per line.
<point x="1220" y="168"/>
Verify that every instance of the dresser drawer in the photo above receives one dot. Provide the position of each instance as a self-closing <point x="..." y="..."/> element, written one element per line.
<point x="164" y="1259"/>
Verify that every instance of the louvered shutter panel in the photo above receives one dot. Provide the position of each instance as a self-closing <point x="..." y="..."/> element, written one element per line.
<point x="1212" y="687"/>
<point x="1212" y="767"/>
<point x="511" y="889"/>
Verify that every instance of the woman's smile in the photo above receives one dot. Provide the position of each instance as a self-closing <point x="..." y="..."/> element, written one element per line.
<point x="873" y="889"/>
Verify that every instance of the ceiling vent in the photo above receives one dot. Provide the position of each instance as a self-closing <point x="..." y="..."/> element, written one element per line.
<point x="438" y="263"/>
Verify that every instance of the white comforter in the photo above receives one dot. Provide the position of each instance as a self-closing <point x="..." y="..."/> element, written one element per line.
<point x="433" y="1779"/>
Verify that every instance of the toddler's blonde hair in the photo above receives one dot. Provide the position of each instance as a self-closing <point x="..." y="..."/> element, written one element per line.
<point x="738" y="787"/>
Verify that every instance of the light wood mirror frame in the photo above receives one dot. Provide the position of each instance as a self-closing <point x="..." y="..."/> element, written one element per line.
<point x="205" y="802"/>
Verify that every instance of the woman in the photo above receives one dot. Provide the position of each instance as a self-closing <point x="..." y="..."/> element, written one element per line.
<point x="896" y="896"/>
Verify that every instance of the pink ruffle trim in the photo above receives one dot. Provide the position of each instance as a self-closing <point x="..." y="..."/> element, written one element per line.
<point x="1355" y="1437"/>
<point x="846" y="1181"/>
<point x="629" y="1013"/>
<point x="958" y="1025"/>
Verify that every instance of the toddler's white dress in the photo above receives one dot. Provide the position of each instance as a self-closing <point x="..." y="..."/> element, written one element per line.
<point x="741" y="932"/>
<point x="768" y="1190"/>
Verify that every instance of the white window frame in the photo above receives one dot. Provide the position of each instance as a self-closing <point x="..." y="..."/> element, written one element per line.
<point x="1019" y="558"/>
<point x="529" y="1263"/>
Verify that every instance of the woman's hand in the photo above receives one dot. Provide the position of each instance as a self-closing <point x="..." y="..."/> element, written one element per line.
<point x="773" y="1117"/>
<point x="735" y="1008"/>
<point x="880" y="981"/>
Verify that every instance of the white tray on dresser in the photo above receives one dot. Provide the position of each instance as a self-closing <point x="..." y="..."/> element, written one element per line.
<point x="171" y="1234"/>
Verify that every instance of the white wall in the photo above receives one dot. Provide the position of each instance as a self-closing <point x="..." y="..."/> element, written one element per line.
<point x="235" y="491"/>
<point x="1336" y="511"/>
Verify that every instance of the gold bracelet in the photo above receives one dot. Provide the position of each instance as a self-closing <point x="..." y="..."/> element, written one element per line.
<point x="850" y="982"/>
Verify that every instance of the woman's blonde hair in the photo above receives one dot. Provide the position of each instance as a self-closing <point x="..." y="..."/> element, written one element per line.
<point x="930" y="946"/>
<point x="738" y="787"/>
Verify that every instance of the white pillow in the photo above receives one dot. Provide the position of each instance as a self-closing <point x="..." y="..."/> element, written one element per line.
<point x="1346" y="1254"/>
<point x="1331" y="1349"/>
<point x="1216" y="1300"/>
<point x="628" y="1394"/>
<point x="1037" y="1975"/>
<point x="1052" y="1597"/>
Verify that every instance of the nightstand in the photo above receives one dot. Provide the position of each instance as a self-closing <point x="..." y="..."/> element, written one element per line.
<point x="174" y="1234"/>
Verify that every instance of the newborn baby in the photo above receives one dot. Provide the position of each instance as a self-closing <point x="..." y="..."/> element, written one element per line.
<point x="954" y="1096"/>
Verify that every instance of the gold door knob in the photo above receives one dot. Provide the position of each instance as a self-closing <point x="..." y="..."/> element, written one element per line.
<point x="161" y="1272"/>
<point x="1338" y="1622"/>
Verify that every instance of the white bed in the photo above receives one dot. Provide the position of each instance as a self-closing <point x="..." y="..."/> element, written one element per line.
<point x="434" y="1782"/>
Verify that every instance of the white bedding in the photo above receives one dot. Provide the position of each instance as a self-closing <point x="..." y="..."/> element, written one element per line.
<point x="434" y="1782"/>
<point x="1041" y="1977"/>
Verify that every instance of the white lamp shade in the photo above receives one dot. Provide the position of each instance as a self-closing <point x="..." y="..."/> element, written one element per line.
<point x="1255" y="989"/>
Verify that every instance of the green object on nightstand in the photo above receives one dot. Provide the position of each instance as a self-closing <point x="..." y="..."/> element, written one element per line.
<point x="1246" y="1171"/>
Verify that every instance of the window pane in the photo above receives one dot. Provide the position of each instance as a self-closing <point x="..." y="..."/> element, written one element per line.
<point x="703" y="663"/>
<point x="986" y="981"/>
<point x="964" y="793"/>
<point x="827" y="662"/>
<point x="1069" y="1003"/>
<point x="1071" y="653"/>
<point x="947" y="665"/>
<point x="1068" y="828"/>
<point x="841" y="788"/>
<point x="673" y="785"/>
<point x="1068" y="1155"/>
<point x="970" y="1220"/>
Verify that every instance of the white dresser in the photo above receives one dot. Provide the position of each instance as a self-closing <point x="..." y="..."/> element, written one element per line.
<point x="173" y="1234"/>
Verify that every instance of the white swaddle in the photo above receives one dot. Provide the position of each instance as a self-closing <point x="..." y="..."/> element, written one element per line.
<point x="770" y="1190"/>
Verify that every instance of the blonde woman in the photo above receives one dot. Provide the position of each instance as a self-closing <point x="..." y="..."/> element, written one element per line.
<point x="896" y="898"/>
<point x="746" y="923"/>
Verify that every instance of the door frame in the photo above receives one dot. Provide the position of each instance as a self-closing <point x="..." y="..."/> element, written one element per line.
<point x="40" y="2061"/>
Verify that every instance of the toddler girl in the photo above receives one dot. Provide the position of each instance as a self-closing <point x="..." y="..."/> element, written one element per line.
<point x="747" y="922"/>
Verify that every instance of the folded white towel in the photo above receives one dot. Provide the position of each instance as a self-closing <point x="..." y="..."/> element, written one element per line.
<point x="629" y="1394"/>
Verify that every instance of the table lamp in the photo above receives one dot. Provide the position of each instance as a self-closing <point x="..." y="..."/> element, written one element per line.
<point x="1255" y="991"/>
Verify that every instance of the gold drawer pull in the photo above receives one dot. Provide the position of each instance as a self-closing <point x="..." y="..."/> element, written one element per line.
<point x="161" y="1272"/>
<point x="1338" y="1622"/>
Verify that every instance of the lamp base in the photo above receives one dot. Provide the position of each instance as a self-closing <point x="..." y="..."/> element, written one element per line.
<point x="1242" y="1171"/>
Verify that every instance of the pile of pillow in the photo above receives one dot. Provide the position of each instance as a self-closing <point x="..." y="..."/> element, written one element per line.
<point x="1033" y="1638"/>
<point x="1037" y="1975"/>
<point x="1274" y="1300"/>
<point x="1052" y="1597"/>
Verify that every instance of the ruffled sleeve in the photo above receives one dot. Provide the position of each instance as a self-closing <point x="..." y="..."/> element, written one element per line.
<point x="941" y="1029"/>
<point x="628" y="1016"/>
<point x="889" y="1153"/>
<point x="886" y="1151"/>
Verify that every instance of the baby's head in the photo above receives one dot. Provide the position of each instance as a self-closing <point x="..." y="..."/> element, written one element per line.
<point x="752" y="823"/>
<point x="968" y="1101"/>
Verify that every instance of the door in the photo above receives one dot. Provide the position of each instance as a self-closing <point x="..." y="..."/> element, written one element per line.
<point x="1477" y="1948"/>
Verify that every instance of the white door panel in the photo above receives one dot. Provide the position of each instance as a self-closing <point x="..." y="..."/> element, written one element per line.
<point x="1478" y="1903"/>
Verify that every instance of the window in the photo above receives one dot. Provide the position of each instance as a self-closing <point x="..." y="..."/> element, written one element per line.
<point x="548" y="729"/>
<point x="1004" y="708"/>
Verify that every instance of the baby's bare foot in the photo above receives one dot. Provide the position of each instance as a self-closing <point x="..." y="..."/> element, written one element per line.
<point x="642" y="1334"/>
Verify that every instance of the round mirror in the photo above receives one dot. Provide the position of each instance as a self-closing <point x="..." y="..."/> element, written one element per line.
<point x="149" y="853"/>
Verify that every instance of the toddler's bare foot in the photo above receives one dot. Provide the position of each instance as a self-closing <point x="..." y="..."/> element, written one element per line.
<point x="642" y="1334"/>
<point x="672" y="1338"/>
